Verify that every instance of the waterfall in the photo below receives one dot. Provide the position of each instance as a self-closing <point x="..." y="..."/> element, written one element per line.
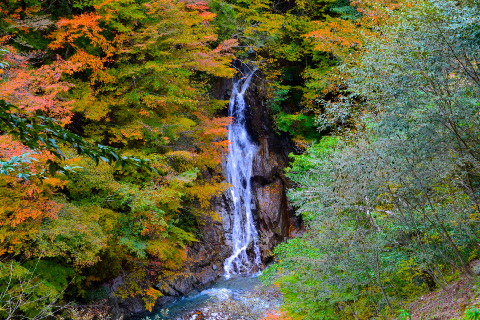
<point x="245" y="250"/>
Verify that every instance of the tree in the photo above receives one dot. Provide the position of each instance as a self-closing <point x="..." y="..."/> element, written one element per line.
<point x="114" y="83"/>
<point x="391" y="207"/>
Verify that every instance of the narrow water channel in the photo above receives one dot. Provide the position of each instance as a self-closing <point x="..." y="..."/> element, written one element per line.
<point x="235" y="298"/>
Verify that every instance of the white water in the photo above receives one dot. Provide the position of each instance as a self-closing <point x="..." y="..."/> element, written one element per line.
<point x="239" y="172"/>
<point x="215" y="302"/>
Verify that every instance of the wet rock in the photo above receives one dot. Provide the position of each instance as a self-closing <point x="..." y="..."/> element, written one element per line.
<point x="275" y="217"/>
<point x="230" y="305"/>
<point x="267" y="164"/>
<point x="130" y="306"/>
<point x="273" y="220"/>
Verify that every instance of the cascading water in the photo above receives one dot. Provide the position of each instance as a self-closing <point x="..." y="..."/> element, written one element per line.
<point x="241" y="152"/>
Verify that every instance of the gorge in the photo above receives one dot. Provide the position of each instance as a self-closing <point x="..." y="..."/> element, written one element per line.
<point x="118" y="196"/>
<point x="255" y="213"/>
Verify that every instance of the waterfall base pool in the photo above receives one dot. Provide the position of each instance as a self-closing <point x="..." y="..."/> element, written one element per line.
<point x="238" y="298"/>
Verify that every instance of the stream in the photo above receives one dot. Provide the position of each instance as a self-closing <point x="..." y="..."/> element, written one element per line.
<point x="236" y="298"/>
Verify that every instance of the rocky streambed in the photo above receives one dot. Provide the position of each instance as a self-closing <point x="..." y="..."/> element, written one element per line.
<point x="242" y="298"/>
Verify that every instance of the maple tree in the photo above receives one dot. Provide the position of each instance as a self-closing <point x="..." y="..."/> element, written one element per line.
<point x="87" y="93"/>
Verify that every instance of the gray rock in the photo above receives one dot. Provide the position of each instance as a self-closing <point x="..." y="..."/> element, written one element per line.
<point x="476" y="268"/>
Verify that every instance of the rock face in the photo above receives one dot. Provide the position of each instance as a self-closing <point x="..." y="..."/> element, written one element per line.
<point x="272" y="211"/>
<point x="275" y="217"/>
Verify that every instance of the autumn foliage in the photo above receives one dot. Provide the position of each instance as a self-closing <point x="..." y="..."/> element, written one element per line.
<point x="111" y="84"/>
<point x="132" y="75"/>
<point x="276" y="315"/>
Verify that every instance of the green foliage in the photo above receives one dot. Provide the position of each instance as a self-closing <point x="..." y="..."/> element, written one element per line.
<point x="43" y="133"/>
<point x="318" y="152"/>
<point x="33" y="289"/>
<point x="296" y="124"/>
<point x="391" y="207"/>
<point x="18" y="165"/>
<point x="51" y="273"/>
<point x="3" y="64"/>
<point x="279" y="95"/>
<point x="225" y="20"/>
<point x="404" y="315"/>
<point x="345" y="10"/>
<point x="471" y="313"/>
<point x="97" y="294"/>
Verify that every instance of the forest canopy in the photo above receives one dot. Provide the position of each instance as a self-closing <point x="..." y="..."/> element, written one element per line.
<point x="111" y="144"/>
<point x="109" y="140"/>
